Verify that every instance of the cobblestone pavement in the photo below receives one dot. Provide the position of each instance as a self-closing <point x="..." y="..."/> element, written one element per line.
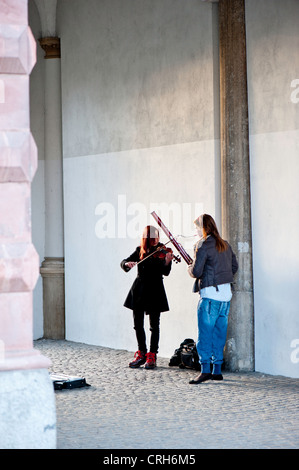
<point x="157" y="409"/>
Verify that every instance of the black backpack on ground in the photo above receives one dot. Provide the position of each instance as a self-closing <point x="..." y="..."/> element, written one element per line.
<point x="186" y="356"/>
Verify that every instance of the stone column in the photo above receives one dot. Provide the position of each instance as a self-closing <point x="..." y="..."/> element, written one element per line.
<point x="27" y="402"/>
<point x="235" y="178"/>
<point x="52" y="268"/>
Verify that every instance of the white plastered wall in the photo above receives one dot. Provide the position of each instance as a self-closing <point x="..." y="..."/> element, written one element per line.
<point x="273" y="65"/>
<point x="121" y="205"/>
<point x="139" y="92"/>
<point x="117" y="129"/>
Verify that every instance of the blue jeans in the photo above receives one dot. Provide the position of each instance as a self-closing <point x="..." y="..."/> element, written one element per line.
<point x="212" y="317"/>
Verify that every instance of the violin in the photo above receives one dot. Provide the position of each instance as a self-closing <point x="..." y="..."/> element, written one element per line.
<point x="162" y="251"/>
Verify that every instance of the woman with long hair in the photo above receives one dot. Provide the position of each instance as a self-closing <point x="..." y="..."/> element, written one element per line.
<point x="147" y="294"/>
<point x="213" y="267"/>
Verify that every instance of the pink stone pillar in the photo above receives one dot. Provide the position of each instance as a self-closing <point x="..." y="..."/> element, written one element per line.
<point x="20" y="364"/>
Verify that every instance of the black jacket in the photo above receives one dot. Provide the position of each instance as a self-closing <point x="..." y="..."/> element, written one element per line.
<point x="211" y="268"/>
<point x="147" y="292"/>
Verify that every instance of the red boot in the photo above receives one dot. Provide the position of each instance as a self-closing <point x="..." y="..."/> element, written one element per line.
<point x="139" y="359"/>
<point x="151" y="359"/>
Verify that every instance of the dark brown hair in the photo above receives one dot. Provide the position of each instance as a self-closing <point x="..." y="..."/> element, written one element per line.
<point x="149" y="236"/>
<point x="209" y="227"/>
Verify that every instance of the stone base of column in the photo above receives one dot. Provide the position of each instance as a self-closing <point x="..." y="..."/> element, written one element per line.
<point x="239" y="351"/>
<point x="27" y="412"/>
<point x="52" y="272"/>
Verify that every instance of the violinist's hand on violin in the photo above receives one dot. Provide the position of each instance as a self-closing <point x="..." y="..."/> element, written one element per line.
<point x="130" y="264"/>
<point x="168" y="258"/>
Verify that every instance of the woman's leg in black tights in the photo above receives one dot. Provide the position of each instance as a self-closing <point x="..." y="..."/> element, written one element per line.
<point x="138" y="317"/>
<point x="154" y="321"/>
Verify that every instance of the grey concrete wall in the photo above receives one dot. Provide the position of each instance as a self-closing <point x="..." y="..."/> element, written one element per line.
<point x="135" y="74"/>
<point x="235" y="179"/>
<point x="272" y="49"/>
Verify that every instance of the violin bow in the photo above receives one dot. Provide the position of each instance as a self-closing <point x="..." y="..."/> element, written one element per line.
<point x="148" y="256"/>
<point x="177" y="245"/>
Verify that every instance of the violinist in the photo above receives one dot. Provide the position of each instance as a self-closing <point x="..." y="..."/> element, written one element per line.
<point x="147" y="294"/>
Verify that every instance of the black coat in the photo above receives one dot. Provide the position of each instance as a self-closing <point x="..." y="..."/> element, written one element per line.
<point x="147" y="292"/>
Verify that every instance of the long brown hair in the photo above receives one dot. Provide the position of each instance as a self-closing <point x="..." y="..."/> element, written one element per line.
<point x="209" y="227"/>
<point x="149" y="236"/>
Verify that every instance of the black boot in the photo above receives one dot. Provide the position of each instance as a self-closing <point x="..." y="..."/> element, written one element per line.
<point x="201" y="378"/>
<point x="217" y="377"/>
